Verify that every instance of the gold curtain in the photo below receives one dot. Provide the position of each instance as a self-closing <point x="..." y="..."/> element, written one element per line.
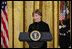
<point x="20" y="17"/>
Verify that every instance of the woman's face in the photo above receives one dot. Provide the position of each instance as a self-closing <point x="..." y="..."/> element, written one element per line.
<point x="36" y="17"/>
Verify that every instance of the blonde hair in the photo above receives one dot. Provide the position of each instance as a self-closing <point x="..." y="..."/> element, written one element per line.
<point x="37" y="11"/>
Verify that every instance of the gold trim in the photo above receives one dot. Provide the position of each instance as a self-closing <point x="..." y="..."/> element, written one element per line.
<point x="33" y="38"/>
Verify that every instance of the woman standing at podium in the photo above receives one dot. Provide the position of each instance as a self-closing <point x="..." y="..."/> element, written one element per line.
<point x="38" y="25"/>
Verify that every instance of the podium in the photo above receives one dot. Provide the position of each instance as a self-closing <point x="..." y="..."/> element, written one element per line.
<point x="35" y="38"/>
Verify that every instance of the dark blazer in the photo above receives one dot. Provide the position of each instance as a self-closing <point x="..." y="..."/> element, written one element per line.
<point x="41" y="27"/>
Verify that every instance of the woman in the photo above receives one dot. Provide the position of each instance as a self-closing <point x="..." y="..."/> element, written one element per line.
<point x="38" y="25"/>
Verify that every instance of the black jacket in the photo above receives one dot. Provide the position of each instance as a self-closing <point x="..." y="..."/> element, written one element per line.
<point x="41" y="27"/>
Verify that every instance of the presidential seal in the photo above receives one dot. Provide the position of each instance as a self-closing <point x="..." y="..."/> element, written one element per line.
<point x="35" y="35"/>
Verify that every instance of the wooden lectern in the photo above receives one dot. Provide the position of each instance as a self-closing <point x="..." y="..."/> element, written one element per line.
<point x="35" y="36"/>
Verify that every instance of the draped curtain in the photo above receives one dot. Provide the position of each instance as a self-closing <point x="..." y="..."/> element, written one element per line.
<point x="20" y="17"/>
